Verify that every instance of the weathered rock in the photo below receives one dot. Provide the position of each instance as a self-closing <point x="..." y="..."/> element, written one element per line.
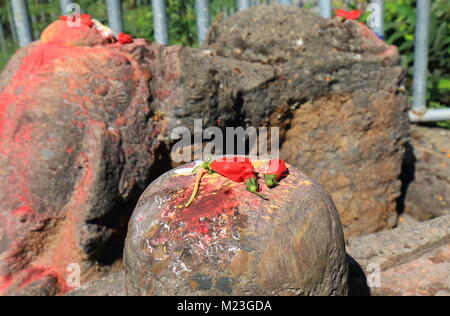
<point x="426" y="173"/>
<point x="231" y="242"/>
<point x="83" y="121"/>
<point x="400" y="245"/>
<point x="409" y="260"/>
<point x="413" y="260"/>
<point x="426" y="276"/>
<point x="336" y="90"/>
<point x="77" y="146"/>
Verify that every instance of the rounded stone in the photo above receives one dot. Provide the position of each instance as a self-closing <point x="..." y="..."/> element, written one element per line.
<point x="231" y="242"/>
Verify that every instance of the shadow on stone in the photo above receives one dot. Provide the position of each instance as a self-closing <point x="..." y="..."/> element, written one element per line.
<point x="407" y="176"/>
<point x="357" y="281"/>
<point x="107" y="251"/>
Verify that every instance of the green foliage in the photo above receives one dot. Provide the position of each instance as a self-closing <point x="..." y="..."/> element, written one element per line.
<point x="137" y="15"/>
<point x="10" y="49"/>
<point x="437" y="105"/>
<point x="400" y="31"/>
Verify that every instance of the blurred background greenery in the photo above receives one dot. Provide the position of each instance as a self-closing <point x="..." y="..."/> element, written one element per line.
<point x="399" y="24"/>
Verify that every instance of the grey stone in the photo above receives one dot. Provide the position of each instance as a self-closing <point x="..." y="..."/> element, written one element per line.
<point x="293" y="242"/>
<point x="425" y="276"/>
<point x="336" y="92"/>
<point x="271" y="66"/>
<point x="401" y="245"/>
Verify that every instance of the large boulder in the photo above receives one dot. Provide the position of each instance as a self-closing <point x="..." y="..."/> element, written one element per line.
<point x="336" y="90"/>
<point x="410" y="260"/>
<point x="232" y="242"/>
<point x="426" y="174"/>
<point x="77" y="146"/>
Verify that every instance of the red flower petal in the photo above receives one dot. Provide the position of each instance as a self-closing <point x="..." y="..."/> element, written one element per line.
<point x="354" y="15"/>
<point x="233" y="168"/>
<point x="276" y="167"/>
<point x="341" y="13"/>
<point x="349" y="15"/>
<point x="125" y="38"/>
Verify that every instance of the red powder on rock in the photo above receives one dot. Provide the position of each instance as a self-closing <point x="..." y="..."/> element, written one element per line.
<point x="64" y="50"/>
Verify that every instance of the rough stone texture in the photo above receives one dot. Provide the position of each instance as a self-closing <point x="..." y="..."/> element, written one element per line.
<point x="426" y="276"/>
<point x="413" y="259"/>
<point x="77" y="143"/>
<point x="231" y="242"/>
<point x="426" y="173"/>
<point x="337" y="90"/>
<point x="111" y="285"/>
<point x="406" y="219"/>
<point x="82" y="123"/>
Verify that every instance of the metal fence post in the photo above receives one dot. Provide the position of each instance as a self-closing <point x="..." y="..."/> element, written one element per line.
<point x="421" y="56"/>
<point x="63" y="6"/>
<point x="22" y="21"/>
<point x="160" y="21"/>
<point x="419" y="112"/>
<point x="379" y="29"/>
<point x="203" y="19"/>
<point x="243" y="4"/>
<point x="115" y="15"/>
<point x="325" y="8"/>
<point x="285" y="2"/>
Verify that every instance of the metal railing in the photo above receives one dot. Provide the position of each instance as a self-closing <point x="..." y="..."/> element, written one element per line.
<point x="418" y="113"/>
<point x="115" y="16"/>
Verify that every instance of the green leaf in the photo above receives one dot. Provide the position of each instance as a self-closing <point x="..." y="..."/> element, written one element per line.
<point x="409" y="37"/>
<point x="444" y="84"/>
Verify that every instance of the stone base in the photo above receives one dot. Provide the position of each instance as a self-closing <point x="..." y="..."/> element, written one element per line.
<point x="414" y="260"/>
<point x="232" y="242"/>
